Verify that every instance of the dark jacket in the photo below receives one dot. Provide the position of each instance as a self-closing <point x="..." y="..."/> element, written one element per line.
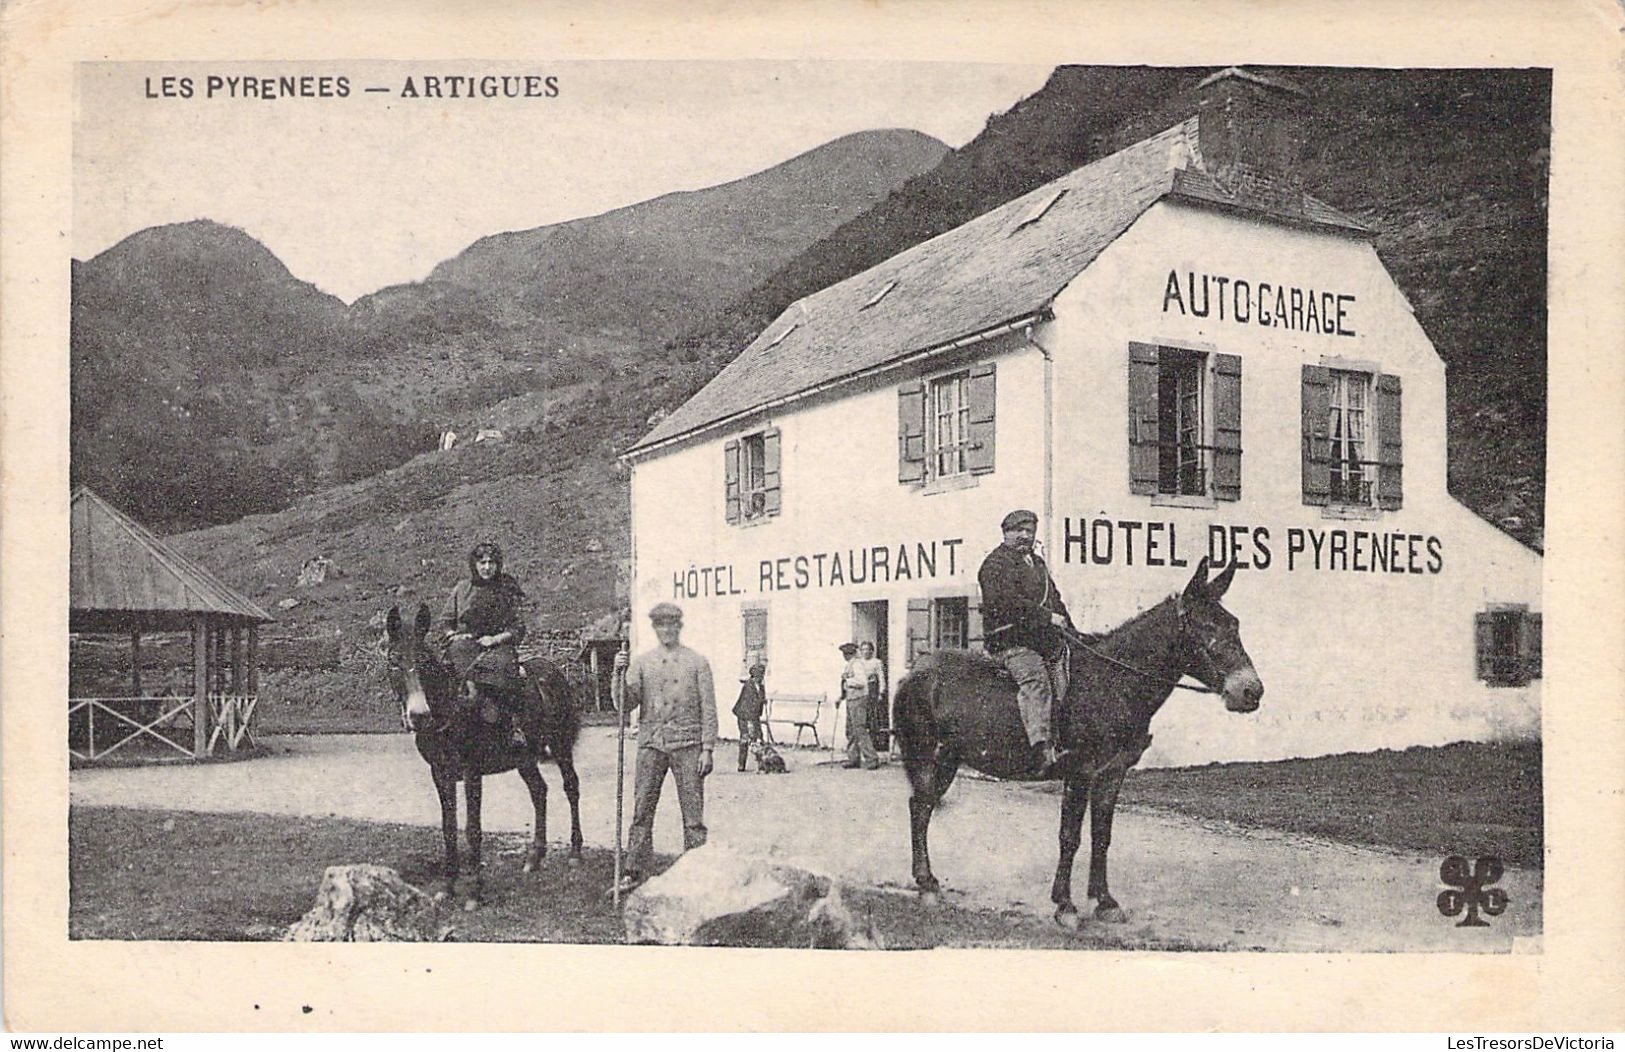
<point x="752" y="699"/>
<point x="485" y="609"/>
<point x="1018" y="598"/>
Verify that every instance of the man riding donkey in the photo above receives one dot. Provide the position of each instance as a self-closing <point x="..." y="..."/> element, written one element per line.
<point x="480" y="628"/>
<point x="1025" y="622"/>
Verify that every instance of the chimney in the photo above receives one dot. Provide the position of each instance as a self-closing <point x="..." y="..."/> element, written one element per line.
<point x="1249" y="131"/>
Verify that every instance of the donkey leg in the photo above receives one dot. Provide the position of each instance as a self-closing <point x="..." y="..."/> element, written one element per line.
<point x="928" y="780"/>
<point x="474" y="791"/>
<point x="1103" y="801"/>
<point x="445" y="786"/>
<point x="572" y="793"/>
<point x="1074" y="802"/>
<point x="537" y="785"/>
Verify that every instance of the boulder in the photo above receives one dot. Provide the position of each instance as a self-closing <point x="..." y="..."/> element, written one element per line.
<point x="715" y="897"/>
<point x="368" y="903"/>
<point x="316" y="570"/>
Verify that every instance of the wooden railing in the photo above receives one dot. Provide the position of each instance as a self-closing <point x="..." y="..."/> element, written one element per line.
<point x="110" y="723"/>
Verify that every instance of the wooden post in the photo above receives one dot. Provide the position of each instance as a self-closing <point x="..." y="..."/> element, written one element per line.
<point x="254" y="659"/>
<point x="200" y="688"/>
<point x="236" y="660"/>
<point x="135" y="662"/>
<point x="592" y="661"/>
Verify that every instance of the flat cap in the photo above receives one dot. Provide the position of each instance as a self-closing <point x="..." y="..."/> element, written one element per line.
<point x="849" y="648"/>
<point x="1017" y="517"/>
<point x="666" y="612"/>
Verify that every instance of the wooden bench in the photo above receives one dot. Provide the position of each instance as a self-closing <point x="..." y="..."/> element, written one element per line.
<point x="800" y="711"/>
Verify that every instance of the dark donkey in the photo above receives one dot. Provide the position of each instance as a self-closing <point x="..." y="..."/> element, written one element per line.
<point x="959" y="707"/>
<point x="461" y="747"/>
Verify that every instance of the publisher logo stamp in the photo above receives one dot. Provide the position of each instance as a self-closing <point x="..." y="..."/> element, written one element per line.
<point x="1470" y="890"/>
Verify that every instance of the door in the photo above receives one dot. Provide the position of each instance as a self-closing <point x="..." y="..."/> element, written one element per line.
<point x="869" y="625"/>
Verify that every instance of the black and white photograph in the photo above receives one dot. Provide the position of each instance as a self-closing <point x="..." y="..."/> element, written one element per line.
<point x="862" y="505"/>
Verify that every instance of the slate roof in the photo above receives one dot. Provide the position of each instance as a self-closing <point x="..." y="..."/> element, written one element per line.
<point x="115" y="565"/>
<point x="1002" y="266"/>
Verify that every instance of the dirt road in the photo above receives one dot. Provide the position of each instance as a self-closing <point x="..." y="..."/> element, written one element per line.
<point x="993" y="845"/>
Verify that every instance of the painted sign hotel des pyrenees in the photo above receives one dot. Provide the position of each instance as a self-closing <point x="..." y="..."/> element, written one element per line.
<point x="1170" y="354"/>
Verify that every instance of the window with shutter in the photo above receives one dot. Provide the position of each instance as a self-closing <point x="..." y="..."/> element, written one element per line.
<point x="919" y="629"/>
<point x="973" y="623"/>
<point x="730" y="480"/>
<point x="950" y="623"/>
<point x="1390" y="453"/>
<point x="772" y="474"/>
<point x="911" y="432"/>
<point x="753" y="625"/>
<point x="1227" y="427"/>
<point x="1142" y="418"/>
<point x="1507" y="641"/>
<point x="1317" y="455"/>
<point x="982" y="394"/>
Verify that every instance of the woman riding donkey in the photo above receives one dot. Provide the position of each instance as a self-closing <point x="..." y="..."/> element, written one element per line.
<point x="480" y="627"/>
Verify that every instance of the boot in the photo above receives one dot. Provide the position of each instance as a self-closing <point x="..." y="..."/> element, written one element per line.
<point x="1046" y="760"/>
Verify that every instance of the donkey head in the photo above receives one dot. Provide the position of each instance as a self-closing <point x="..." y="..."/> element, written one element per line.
<point x="407" y="655"/>
<point x="1210" y="632"/>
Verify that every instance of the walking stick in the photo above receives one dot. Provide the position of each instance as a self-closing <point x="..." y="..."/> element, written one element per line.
<point x="617" y="689"/>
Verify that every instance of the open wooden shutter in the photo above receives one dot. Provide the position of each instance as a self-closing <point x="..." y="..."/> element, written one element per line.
<point x="1529" y="645"/>
<point x="911" y="432"/>
<point x="1390" y="454"/>
<point x="919" y="629"/>
<point x="1142" y="418"/>
<point x="1317" y="442"/>
<point x="1227" y="427"/>
<point x="772" y="476"/>
<point x="981" y="392"/>
<point x="973" y="623"/>
<point x="730" y="479"/>
<point x="1484" y="645"/>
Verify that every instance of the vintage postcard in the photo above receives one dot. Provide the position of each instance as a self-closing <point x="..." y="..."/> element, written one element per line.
<point x="1001" y="495"/>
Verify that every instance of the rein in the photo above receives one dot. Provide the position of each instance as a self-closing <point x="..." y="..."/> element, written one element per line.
<point x="1076" y="640"/>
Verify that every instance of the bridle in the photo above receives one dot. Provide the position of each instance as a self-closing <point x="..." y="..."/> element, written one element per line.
<point x="1076" y="640"/>
<point x="439" y="721"/>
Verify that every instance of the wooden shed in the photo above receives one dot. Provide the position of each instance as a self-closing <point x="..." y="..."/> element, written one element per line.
<point x="126" y="583"/>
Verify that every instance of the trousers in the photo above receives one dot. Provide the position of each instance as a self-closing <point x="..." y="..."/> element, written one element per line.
<point x="860" y="746"/>
<point x="652" y="765"/>
<point x="750" y="732"/>
<point x="1038" y="684"/>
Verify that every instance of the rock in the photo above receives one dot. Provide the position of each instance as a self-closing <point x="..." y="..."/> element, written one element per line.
<point x="287" y="604"/>
<point x="715" y="897"/>
<point x="368" y="903"/>
<point x="595" y="546"/>
<point x="316" y="570"/>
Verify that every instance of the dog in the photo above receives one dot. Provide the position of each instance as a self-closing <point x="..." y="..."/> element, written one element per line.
<point x="768" y="760"/>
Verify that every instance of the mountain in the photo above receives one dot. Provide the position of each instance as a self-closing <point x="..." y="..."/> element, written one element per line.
<point x="633" y="276"/>
<point x="209" y="383"/>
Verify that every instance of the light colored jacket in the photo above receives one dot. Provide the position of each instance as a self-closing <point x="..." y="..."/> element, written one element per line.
<point x="675" y="696"/>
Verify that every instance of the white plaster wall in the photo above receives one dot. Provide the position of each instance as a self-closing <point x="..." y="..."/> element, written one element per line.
<point x="840" y="493"/>
<point x="1350" y="660"/>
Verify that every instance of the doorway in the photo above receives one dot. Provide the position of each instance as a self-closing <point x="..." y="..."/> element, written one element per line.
<point x="869" y="625"/>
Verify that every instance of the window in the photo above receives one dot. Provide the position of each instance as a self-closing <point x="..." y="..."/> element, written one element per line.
<point x="752" y="479"/>
<point x="950" y="424"/>
<point x="952" y="622"/>
<point x="1352" y="454"/>
<point x="753" y="622"/>
<point x="1184" y="423"/>
<point x="1181" y="452"/>
<point x="1507" y="639"/>
<point x="945" y="426"/>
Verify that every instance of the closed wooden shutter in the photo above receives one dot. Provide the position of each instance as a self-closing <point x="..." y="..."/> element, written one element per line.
<point x="1317" y="443"/>
<point x="973" y="623"/>
<point x="919" y="628"/>
<point x="772" y="475"/>
<point x="1390" y="452"/>
<point x="1529" y="645"/>
<point x="1142" y="418"/>
<point x="730" y="479"/>
<point x="911" y="432"/>
<point x="1484" y="645"/>
<point x="981" y="394"/>
<point x="1227" y="427"/>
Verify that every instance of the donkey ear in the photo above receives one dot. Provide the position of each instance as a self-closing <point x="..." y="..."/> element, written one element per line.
<point x="392" y="624"/>
<point x="423" y="619"/>
<point x="1198" y="583"/>
<point x="1217" y="587"/>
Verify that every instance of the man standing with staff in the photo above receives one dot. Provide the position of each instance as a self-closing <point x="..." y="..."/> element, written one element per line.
<point x="671" y="687"/>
